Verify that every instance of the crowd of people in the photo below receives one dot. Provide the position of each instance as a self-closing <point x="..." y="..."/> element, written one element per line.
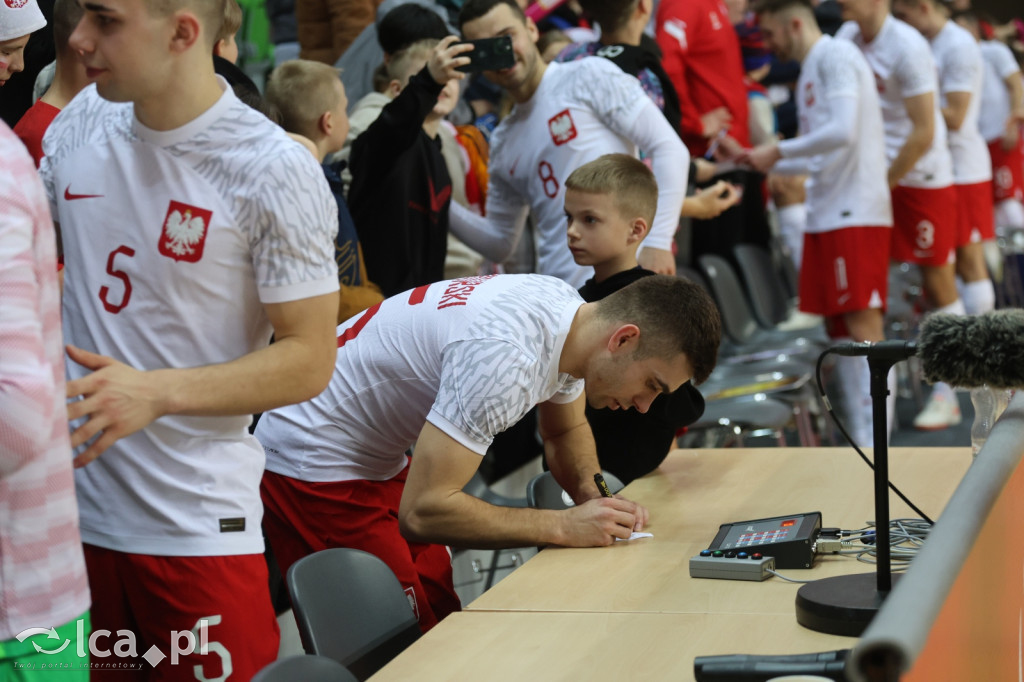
<point x="301" y="311"/>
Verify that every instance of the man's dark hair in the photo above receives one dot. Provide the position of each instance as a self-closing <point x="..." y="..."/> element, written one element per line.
<point x="474" y="9"/>
<point x="611" y="15"/>
<point x="776" y="6"/>
<point x="66" y="15"/>
<point x="409" y="23"/>
<point x="674" y="316"/>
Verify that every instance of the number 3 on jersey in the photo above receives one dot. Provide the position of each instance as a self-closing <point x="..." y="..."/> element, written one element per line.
<point x="105" y="294"/>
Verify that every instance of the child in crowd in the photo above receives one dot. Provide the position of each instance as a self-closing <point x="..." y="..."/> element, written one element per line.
<point x="226" y="46"/>
<point x="609" y="206"/>
<point x="401" y="188"/>
<point x="311" y="101"/>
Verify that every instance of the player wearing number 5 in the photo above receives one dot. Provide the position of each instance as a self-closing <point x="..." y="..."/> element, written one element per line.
<point x="446" y="367"/>
<point x="565" y="115"/>
<point x="192" y="228"/>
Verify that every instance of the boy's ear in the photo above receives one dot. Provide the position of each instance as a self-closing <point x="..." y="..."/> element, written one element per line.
<point x="394" y="87"/>
<point x="325" y="124"/>
<point x="637" y="230"/>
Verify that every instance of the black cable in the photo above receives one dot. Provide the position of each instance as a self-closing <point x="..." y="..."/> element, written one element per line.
<point x="846" y="435"/>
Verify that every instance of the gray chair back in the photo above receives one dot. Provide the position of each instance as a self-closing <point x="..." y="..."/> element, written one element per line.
<point x="764" y="284"/>
<point x="738" y="320"/>
<point x="350" y="607"/>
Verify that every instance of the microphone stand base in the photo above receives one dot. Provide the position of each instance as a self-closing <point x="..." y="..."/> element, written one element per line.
<point x="840" y="605"/>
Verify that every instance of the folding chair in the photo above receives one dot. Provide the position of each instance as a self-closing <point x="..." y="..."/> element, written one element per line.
<point x="350" y="607"/>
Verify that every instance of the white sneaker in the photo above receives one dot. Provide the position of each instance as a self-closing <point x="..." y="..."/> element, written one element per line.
<point x="941" y="412"/>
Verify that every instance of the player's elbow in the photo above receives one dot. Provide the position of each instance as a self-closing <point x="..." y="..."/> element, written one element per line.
<point x="321" y="368"/>
<point x="955" y="120"/>
<point x="413" y="523"/>
<point x="316" y="368"/>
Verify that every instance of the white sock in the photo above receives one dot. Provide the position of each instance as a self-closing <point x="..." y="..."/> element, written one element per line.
<point x="854" y="384"/>
<point x="1009" y="215"/>
<point x="954" y="308"/>
<point x="978" y="297"/>
<point x="792" y="222"/>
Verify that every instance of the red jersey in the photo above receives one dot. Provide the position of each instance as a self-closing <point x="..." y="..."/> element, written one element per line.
<point x="33" y="124"/>
<point x="701" y="55"/>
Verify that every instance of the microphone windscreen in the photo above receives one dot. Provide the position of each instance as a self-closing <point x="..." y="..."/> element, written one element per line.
<point x="974" y="350"/>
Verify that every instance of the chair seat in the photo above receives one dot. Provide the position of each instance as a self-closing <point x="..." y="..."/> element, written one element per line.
<point x="747" y="413"/>
<point x="730" y="381"/>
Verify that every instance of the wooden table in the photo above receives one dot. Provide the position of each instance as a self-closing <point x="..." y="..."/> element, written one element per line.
<point x="524" y="646"/>
<point x="631" y="611"/>
<point x="693" y="493"/>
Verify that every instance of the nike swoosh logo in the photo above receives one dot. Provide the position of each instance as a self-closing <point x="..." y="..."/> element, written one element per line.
<point x="68" y="196"/>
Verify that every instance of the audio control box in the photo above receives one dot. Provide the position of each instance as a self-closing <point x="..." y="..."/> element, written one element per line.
<point x="731" y="568"/>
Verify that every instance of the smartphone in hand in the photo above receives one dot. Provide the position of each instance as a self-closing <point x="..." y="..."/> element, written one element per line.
<point x="489" y="54"/>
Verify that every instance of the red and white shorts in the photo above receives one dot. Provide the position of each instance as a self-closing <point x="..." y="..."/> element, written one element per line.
<point x="1007" y="170"/>
<point x="845" y="270"/>
<point x="924" y="225"/>
<point x="301" y="517"/>
<point x="224" y="601"/>
<point x="975" y="213"/>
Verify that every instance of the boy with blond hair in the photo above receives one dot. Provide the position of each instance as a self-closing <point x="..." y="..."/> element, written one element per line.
<point x="311" y="100"/>
<point x="401" y="188"/>
<point x="610" y="204"/>
<point x="226" y="46"/>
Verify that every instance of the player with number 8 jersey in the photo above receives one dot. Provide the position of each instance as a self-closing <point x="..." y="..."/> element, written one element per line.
<point x="565" y="115"/>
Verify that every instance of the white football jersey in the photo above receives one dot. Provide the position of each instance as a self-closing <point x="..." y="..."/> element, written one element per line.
<point x="904" y="67"/>
<point x="847" y="185"/>
<point x="174" y="240"/>
<point x="471" y="356"/>
<point x="958" y="59"/>
<point x="999" y="64"/>
<point x="580" y="111"/>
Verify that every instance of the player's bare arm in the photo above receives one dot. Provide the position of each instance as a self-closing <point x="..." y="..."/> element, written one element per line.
<point x="435" y="509"/>
<point x="920" y="110"/>
<point x="761" y="158"/>
<point x="1015" y="86"/>
<point x="659" y="261"/>
<point x="571" y="453"/>
<point x="955" y="110"/>
<point x="118" y="400"/>
<point x="712" y="201"/>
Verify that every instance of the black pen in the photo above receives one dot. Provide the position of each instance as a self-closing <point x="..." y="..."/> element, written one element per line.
<point x="602" y="486"/>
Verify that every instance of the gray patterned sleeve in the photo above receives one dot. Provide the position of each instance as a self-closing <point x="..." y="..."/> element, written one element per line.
<point x="292" y="220"/>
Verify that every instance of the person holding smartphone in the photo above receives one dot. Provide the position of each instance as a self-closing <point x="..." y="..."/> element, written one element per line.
<point x="564" y="116"/>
